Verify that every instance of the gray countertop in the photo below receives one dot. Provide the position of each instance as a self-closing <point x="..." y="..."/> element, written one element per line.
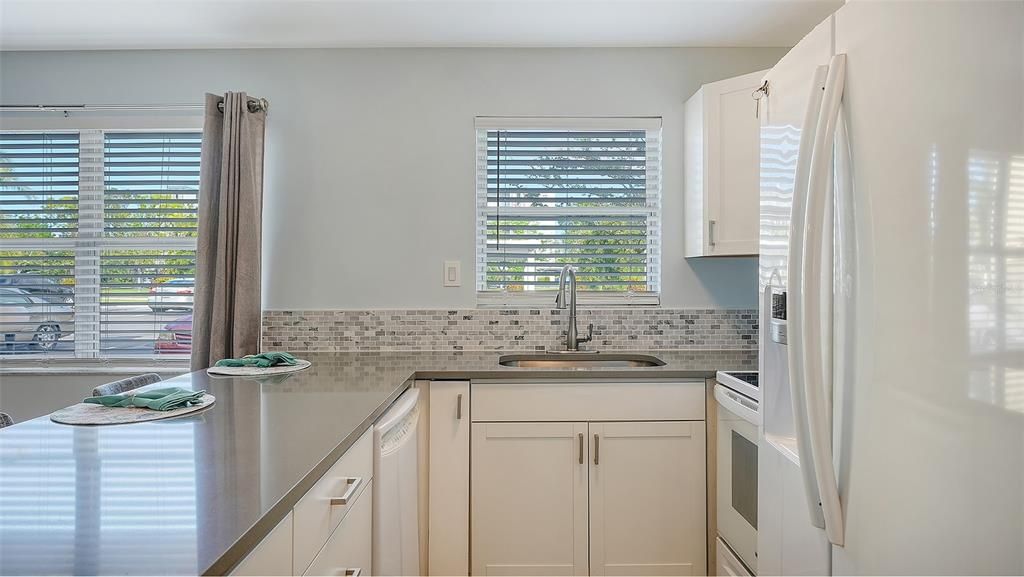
<point x="192" y="495"/>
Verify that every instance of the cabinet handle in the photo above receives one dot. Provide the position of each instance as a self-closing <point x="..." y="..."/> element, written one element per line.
<point x="597" y="449"/>
<point x="581" y="448"/>
<point x="354" y="572"/>
<point x="458" y="407"/>
<point x="353" y="484"/>
<point x="711" y="233"/>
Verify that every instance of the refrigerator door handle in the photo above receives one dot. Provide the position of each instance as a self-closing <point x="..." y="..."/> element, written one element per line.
<point x="816" y="373"/>
<point x="794" y="299"/>
<point x="845" y="316"/>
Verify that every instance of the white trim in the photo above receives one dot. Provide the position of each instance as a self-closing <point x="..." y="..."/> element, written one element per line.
<point x="546" y="299"/>
<point x="538" y="211"/>
<point x="43" y="365"/>
<point x="568" y="123"/>
<point x="111" y="243"/>
<point x="91" y="191"/>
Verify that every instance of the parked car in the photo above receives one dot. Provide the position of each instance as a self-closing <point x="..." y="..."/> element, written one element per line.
<point x="25" y="317"/>
<point x="38" y="285"/>
<point x="175" y="294"/>
<point x="175" y="338"/>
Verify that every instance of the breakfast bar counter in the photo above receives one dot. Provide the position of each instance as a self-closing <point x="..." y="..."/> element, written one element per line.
<point x="193" y="495"/>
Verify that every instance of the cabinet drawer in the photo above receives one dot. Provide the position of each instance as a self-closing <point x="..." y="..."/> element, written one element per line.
<point x="593" y="400"/>
<point x="315" y="515"/>
<point x="348" y="551"/>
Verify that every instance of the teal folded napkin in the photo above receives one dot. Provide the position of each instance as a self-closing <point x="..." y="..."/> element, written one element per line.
<point x="163" y="399"/>
<point x="262" y="360"/>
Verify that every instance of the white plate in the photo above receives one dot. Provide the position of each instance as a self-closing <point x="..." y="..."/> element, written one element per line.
<point x="259" y="372"/>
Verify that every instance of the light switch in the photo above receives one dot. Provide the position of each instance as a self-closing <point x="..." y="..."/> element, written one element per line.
<point x="452" y="273"/>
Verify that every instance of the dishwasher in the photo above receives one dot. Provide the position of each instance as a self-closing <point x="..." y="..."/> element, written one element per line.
<point x="396" y="542"/>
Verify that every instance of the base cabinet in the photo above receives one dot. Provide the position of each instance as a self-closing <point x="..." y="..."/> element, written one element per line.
<point x="348" y="550"/>
<point x="578" y="498"/>
<point x="529" y="499"/>
<point x="448" y="478"/>
<point x="330" y="529"/>
<point x="647" y="499"/>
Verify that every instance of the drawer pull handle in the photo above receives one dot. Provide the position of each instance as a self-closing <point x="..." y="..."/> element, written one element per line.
<point x="354" y="572"/>
<point x="597" y="449"/>
<point x="581" y="448"/>
<point x="353" y="485"/>
<point x="458" y="409"/>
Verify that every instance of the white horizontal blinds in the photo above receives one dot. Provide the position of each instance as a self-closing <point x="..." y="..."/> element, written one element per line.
<point x="588" y="197"/>
<point x="39" y="197"/>
<point x="152" y="183"/>
<point x="39" y="184"/>
<point x="147" y="265"/>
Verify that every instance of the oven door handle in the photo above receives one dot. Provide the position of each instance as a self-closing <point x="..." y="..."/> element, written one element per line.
<point x="740" y="406"/>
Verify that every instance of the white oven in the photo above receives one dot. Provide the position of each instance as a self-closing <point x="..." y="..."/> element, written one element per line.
<point x="738" y="420"/>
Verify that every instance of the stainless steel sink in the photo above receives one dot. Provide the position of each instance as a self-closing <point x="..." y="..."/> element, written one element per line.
<point x="579" y="360"/>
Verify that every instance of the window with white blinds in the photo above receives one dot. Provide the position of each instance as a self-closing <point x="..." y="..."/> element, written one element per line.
<point x="147" y="267"/>
<point x="581" y="192"/>
<point x="97" y="242"/>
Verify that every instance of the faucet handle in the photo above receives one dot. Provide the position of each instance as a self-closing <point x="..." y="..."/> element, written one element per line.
<point x="590" y="334"/>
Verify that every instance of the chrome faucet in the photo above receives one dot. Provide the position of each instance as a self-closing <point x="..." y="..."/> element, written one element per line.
<point x="572" y="338"/>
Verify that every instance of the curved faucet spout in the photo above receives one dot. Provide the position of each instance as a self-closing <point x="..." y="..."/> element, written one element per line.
<point x="572" y="338"/>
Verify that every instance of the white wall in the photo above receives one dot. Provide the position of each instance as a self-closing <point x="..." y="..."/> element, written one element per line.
<point x="370" y="152"/>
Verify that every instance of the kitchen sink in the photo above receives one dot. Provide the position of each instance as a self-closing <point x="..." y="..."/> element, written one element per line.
<point x="579" y="360"/>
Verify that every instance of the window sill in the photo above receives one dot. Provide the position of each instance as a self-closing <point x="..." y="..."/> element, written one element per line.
<point x="108" y="366"/>
<point x="547" y="300"/>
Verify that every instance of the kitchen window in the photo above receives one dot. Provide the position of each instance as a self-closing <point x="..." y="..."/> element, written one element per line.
<point x="98" y="235"/>
<point x="558" y="191"/>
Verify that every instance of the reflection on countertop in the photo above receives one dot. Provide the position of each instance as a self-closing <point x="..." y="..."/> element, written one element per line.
<point x="192" y="495"/>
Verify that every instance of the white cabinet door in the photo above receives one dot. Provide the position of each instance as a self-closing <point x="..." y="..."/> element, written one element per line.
<point x="529" y="498"/>
<point x="273" y="556"/>
<point x="722" y="165"/>
<point x="349" y="549"/>
<point x="647" y="498"/>
<point x="449" y="478"/>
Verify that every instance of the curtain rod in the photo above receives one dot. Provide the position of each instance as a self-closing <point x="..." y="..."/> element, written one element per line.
<point x="255" y="105"/>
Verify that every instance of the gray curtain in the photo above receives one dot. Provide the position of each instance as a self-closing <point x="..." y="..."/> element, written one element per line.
<point x="226" y="318"/>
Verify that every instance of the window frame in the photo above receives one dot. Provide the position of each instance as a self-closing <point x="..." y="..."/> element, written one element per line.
<point x="545" y="298"/>
<point x="91" y="127"/>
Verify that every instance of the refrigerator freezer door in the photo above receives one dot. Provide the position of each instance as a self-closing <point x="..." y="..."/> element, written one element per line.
<point x="787" y="541"/>
<point x="930" y="418"/>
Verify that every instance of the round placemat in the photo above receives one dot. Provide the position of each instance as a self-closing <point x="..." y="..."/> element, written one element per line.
<point x="93" y="414"/>
<point x="299" y="365"/>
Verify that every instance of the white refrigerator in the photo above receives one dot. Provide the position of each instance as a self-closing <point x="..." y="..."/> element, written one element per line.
<point x="892" y="285"/>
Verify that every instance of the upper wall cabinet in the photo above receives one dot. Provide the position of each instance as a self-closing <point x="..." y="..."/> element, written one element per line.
<point x="721" y="168"/>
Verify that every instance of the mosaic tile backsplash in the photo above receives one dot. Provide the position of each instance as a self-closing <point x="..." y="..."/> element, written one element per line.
<point x="507" y="329"/>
